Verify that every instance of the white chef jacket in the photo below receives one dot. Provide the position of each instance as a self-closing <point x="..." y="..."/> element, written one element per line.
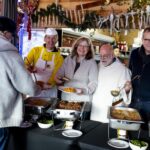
<point x="109" y="78"/>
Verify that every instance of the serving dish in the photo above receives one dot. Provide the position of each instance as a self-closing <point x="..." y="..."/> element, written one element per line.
<point x="124" y="118"/>
<point x="70" y="110"/>
<point x="38" y="105"/>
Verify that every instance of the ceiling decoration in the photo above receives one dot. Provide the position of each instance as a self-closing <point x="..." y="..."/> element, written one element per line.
<point x="83" y="16"/>
<point x="25" y="9"/>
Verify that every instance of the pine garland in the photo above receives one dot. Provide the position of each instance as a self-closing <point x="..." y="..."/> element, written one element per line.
<point x="89" y="18"/>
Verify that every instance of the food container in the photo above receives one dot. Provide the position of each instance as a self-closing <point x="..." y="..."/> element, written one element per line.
<point x="38" y="105"/>
<point x="68" y="110"/>
<point x="124" y="118"/>
<point x="138" y="145"/>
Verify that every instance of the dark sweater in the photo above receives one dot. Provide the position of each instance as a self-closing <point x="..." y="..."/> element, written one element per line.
<point x="140" y="65"/>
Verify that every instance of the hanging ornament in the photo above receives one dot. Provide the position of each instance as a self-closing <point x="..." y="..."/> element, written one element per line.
<point x="107" y="2"/>
<point x="141" y="19"/>
<point x="133" y="20"/>
<point x="117" y="23"/>
<point x="126" y="24"/>
<point x="147" y="15"/>
<point x="28" y="7"/>
<point x="111" y="18"/>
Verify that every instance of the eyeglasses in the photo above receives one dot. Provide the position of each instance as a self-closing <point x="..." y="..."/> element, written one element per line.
<point x="83" y="46"/>
<point x="105" y="56"/>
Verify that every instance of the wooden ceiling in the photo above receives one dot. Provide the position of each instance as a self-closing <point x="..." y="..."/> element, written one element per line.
<point x="103" y="7"/>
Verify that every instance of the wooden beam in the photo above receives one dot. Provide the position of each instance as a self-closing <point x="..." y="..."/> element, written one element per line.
<point x="89" y="5"/>
<point x="74" y="0"/>
<point x="94" y="4"/>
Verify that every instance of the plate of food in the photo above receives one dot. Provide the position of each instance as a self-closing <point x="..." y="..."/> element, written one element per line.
<point x="67" y="89"/>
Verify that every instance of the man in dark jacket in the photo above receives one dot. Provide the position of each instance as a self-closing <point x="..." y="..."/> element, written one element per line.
<point x="140" y="67"/>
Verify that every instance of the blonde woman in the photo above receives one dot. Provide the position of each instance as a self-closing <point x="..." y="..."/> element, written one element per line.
<point x="81" y="69"/>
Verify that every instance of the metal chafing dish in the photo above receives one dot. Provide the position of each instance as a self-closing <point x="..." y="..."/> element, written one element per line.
<point x="68" y="113"/>
<point x="126" y="121"/>
<point x="38" y="105"/>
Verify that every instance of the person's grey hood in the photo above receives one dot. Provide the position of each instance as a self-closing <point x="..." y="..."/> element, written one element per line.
<point x="5" y="45"/>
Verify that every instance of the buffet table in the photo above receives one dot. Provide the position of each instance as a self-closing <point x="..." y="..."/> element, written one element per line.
<point x="95" y="137"/>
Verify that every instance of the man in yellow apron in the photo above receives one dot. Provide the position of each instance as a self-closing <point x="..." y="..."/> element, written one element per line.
<point x="44" y="61"/>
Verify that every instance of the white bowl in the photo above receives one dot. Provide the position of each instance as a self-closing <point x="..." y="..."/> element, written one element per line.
<point x="44" y="126"/>
<point x="135" y="147"/>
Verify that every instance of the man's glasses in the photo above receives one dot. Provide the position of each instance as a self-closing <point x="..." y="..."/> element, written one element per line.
<point x="105" y="56"/>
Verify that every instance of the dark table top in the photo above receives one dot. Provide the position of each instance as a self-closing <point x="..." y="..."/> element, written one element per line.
<point x="95" y="137"/>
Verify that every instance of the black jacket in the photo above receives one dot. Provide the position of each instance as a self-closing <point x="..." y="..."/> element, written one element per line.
<point x="139" y="64"/>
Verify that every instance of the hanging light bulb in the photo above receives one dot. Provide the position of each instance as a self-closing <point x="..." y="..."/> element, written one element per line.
<point x="107" y="2"/>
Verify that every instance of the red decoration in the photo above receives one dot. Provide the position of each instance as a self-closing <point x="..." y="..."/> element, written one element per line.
<point x="27" y="6"/>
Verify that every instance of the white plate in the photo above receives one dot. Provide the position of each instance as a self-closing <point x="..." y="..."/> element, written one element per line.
<point x="72" y="133"/>
<point x="118" y="143"/>
<point x="26" y="124"/>
<point x="61" y="88"/>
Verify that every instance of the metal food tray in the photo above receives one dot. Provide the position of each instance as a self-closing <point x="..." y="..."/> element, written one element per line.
<point x="38" y="109"/>
<point x="68" y="114"/>
<point x="132" y="125"/>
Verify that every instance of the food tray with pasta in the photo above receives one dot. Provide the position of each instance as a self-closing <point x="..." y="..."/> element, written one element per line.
<point x="124" y="118"/>
<point x="70" y="110"/>
<point x="38" y="104"/>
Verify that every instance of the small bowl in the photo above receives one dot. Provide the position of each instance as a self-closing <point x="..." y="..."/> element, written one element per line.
<point x="45" y="125"/>
<point x="136" y="147"/>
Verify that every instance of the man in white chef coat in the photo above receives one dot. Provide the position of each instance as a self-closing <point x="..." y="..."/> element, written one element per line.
<point x="113" y="75"/>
